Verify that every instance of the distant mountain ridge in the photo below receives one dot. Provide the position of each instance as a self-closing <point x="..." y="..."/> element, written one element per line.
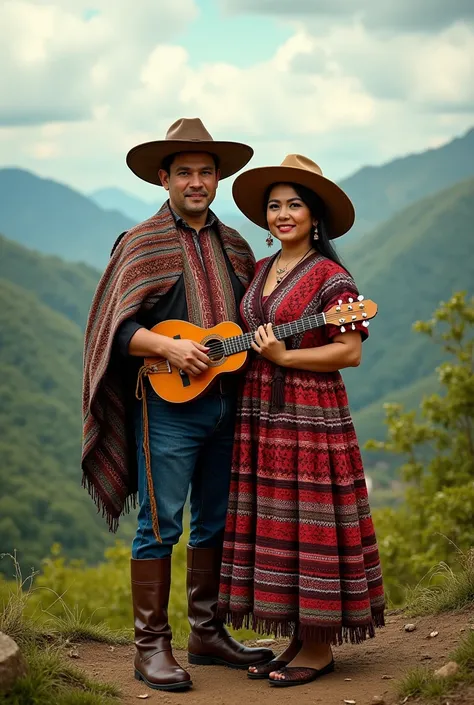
<point x="55" y="219"/>
<point x="377" y="191"/>
<point x="380" y="191"/>
<point x="116" y="199"/>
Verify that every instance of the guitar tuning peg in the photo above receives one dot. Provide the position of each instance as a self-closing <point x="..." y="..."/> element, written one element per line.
<point x="353" y="326"/>
<point x="343" y="330"/>
<point x="351" y="300"/>
<point x="339" y="302"/>
<point x="360" y="297"/>
<point x="365" y="324"/>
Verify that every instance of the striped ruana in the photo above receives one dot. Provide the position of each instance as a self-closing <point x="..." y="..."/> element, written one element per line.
<point x="145" y="264"/>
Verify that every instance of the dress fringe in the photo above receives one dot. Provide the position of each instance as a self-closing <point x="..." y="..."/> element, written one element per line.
<point x="112" y="520"/>
<point x="336" y="635"/>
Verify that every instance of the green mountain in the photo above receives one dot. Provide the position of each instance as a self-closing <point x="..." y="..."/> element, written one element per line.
<point x="408" y="265"/>
<point x="55" y="219"/>
<point x="66" y="288"/>
<point x="379" y="192"/>
<point x="42" y="501"/>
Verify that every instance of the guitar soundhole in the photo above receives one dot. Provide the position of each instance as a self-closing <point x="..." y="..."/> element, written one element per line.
<point x="216" y="351"/>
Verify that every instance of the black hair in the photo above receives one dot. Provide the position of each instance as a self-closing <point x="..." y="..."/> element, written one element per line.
<point x="318" y="212"/>
<point x="167" y="161"/>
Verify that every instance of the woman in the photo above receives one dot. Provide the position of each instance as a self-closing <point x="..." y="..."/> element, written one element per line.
<point x="300" y="555"/>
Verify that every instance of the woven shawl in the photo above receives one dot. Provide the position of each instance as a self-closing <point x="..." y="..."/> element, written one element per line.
<point x="145" y="264"/>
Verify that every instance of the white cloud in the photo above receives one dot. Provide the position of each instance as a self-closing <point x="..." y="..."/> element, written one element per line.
<point x="80" y="88"/>
<point x="266" y="98"/>
<point x="58" y="61"/>
<point x="424" y="70"/>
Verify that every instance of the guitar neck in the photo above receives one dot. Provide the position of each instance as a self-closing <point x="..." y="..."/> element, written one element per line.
<point x="240" y="343"/>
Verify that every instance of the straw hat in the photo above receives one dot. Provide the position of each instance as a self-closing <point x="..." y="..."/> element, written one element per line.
<point x="249" y="189"/>
<point x="186" y="135"/>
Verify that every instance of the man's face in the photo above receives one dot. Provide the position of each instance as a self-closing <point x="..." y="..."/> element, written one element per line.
<point x="192" y="183"/>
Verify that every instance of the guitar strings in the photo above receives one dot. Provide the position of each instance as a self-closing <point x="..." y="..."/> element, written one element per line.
<point x="333" y="318"/>
<point x="219" y="345"/>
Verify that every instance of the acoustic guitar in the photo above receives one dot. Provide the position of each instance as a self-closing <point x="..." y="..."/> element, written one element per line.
<point x="228" y="346"/>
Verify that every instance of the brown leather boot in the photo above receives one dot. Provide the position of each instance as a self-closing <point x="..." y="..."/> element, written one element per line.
<point x="209" y="641"/>
<point x="154" y="661"/>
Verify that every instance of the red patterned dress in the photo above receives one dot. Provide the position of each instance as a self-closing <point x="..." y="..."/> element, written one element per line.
<point x="300" y="553"/>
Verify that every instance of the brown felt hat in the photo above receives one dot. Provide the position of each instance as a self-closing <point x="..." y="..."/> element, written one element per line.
<point x="249" y="190"/>
<point x="186" y="135"/>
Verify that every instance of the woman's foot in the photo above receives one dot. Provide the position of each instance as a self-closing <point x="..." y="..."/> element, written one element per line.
<point x="314" y="656"/>
<point x="281" y="661"/>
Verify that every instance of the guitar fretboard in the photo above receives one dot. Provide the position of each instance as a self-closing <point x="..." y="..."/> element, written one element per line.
<point x="239" y="343"/>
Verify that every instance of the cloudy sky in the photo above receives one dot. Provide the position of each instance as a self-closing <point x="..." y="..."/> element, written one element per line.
<point x="82" y="81"/>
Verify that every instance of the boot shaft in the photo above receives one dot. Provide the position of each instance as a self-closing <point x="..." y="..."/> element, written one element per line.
<point x="151" y="580"/>
<point x="203" y="579"/>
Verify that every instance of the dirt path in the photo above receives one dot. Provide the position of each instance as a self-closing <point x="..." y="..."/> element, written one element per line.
<point x="361" y="671"/>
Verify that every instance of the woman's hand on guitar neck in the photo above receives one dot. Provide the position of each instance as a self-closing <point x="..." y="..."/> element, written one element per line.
<point x="268" y="346"/>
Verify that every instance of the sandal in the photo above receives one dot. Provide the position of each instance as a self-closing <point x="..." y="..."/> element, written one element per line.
<point x="264" y="670"/>
<point x="298" y="675"/>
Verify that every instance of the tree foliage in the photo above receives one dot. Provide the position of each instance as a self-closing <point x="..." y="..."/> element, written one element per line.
<point x="437" y="512"/>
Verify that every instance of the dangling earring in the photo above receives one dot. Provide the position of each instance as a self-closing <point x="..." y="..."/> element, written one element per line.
<point x="269" y="240"/>
<point x="316" y="232"/>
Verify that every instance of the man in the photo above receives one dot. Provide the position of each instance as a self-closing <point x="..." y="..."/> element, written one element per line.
<point x="181" y="263"/>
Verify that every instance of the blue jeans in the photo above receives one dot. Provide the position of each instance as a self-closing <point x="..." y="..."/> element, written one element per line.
<point x="190" y="446"/>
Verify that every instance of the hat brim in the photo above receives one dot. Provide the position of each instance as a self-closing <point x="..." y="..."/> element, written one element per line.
<point x="145" y="160"/>
<point x="249" y="190"/>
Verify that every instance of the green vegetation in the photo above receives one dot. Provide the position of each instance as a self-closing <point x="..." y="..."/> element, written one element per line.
<point x="370" y="425"/>
<point x="452" y="589"/>
<point x="438" y="504"/>
<point x="51" y="680"/>
<point x="44" y="642"/>
<point x="422" y="683"/>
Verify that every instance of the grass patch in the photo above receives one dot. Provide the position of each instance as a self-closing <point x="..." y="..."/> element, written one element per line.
<point x="50" y="678"/>
<point x="420" y="682"/>
<point x="447" y="591"/>
<point x="43" y="626"/>
<point x="74" y="626"/>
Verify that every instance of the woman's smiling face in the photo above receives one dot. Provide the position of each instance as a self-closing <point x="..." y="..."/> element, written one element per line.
<point x="289" y="218"/>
